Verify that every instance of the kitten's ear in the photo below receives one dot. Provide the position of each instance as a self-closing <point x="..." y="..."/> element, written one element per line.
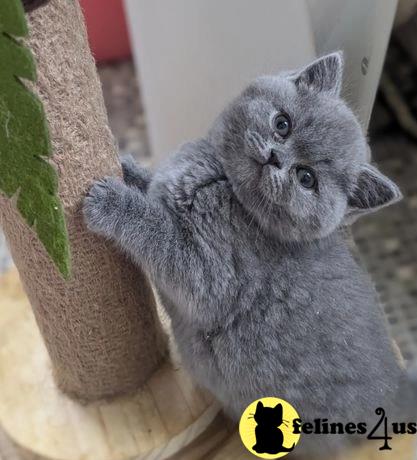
<point x="259" y="406"/>
<point x="372" y="191"/>
<point x="323" y="75"/>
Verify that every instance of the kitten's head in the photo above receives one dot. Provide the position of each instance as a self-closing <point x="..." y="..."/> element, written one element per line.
<point x="296" y="155"/>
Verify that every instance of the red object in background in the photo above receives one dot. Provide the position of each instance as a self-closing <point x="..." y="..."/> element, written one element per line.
<point x="107" y="30"/>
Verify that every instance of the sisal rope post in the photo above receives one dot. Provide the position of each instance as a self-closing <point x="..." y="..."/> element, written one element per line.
<point x="100" y="327"/>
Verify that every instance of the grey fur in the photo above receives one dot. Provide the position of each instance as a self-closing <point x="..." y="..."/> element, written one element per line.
<point x="264" y="295"/>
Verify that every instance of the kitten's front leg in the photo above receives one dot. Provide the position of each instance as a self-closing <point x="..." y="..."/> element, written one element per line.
<point x="139" y="225"/>
<point x="156" y="240"/>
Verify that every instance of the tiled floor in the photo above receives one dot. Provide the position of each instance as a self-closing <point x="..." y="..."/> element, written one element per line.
<point x="387" y="240"/>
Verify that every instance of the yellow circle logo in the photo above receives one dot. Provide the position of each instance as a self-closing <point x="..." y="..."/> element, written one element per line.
<point x="266" y="428"/>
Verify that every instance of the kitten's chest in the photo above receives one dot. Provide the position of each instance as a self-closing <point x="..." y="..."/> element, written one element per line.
<point x="245" y="264"/>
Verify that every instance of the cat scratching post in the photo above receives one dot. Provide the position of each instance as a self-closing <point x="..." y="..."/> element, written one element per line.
<point x="99" y="326"/>
<point x="99" y="333"/>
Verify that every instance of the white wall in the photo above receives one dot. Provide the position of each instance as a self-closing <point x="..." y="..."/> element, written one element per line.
<point x="195" y="55"/>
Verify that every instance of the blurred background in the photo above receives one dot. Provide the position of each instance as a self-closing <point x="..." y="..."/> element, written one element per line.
<point x="168" y="67"/>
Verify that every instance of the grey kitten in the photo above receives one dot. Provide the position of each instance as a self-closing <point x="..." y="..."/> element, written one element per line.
<point x="241" y="232"/>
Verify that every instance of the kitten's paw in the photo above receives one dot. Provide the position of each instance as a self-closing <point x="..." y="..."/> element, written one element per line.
<point x="133" y="174"/>
<point x="103" y="205"/>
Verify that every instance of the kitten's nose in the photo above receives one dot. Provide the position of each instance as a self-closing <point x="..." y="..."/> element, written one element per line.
<point x="274" y="159"/>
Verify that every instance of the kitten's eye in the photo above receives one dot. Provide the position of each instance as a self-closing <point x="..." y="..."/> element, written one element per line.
<point x="306" y="177"/>
<point x="282" y="124"/>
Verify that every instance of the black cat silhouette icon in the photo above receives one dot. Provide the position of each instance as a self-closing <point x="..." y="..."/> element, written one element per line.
<point x="266" y="428"/>
<point x="269" y="437"/>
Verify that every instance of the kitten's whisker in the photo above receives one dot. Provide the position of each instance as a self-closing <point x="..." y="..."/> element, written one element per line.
<point x="253" y="209"/>
<point x="264" y="202"/>
<point x="257" y="206"/>
<point x="265" y="212"/>
<point x="243" y="184"/>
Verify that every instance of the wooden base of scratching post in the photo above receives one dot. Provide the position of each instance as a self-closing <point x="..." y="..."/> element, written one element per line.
<point x="38" y="422"/>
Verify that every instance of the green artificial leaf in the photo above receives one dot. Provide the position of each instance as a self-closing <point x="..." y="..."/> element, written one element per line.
<point x="25" y="146"/>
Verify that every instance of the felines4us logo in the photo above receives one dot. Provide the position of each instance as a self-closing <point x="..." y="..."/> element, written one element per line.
<point x="271" y="428"/>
